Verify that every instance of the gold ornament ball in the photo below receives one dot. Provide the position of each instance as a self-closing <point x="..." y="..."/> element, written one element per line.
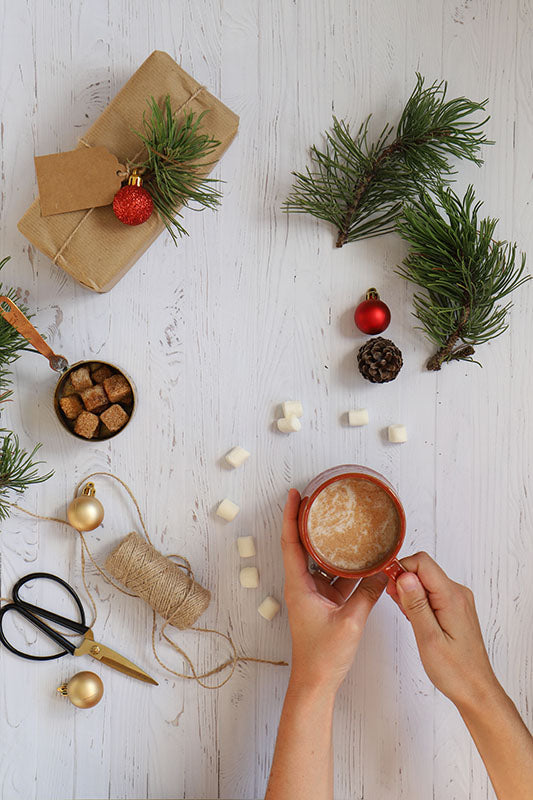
<point x="85" y="512"/>
<point x="84" y="690"/>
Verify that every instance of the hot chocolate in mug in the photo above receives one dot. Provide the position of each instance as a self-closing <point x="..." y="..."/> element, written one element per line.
<point x="352" y="523"/>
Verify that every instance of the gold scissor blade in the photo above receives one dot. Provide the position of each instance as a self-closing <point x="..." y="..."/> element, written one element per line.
<point x="107" y="656"/>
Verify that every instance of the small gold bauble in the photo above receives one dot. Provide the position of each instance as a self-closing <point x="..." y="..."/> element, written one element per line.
<point x="84" y="690"/>
<point x="85" y="512"/>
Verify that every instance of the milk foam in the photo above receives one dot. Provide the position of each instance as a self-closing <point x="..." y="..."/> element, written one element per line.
<point x="353" y="524"/>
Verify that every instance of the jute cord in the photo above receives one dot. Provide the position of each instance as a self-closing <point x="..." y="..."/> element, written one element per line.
<point x="174" y="618"/>
<point x="125" y="174"/>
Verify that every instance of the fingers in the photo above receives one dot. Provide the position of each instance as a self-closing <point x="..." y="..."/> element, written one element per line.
<point x="294" y="557"/>
<point x="432" y="577"/>
<point x="414" y="601"/>
<point x="365" y="597"/>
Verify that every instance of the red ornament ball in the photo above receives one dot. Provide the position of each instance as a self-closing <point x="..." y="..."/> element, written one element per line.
<point x="372" y="315"/>
<point x="133" y="205"/>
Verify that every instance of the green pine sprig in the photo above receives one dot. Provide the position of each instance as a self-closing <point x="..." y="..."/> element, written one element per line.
<point x="464" y="273"/>
<point x="174" y="170"/>
<point x="11" y="342"/>
<point x="360" y="186"/>
<point x="18" y="468"/>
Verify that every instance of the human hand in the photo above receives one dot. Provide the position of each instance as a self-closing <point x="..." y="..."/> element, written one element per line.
<point x="447" y="631"/>
<point x="327" y="621"/>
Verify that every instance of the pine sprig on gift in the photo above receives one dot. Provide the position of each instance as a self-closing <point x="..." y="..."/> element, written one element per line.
<point x="18" y="468"/>
<point x="360" y="186"/>
<point x="464" y="272"/>
<point x="174" y="170"/>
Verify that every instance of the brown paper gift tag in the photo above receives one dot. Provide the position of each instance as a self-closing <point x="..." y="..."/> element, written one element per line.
<point x="78" y="179"/>
<point x="93" y="246"/>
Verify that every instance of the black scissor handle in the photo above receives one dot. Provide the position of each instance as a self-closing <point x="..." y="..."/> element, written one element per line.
<point x="34" y="613"/>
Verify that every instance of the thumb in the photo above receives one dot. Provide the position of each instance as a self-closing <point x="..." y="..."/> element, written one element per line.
<point x="415" y="603"/>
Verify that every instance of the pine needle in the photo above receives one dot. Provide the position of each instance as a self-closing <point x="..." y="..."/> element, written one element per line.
<point x="174" y="170"/>
<point x="464" y="272"/>
<point x="360" y="187"/>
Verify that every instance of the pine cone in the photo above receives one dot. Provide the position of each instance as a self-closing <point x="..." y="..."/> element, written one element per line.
<point x="379" y="360"/>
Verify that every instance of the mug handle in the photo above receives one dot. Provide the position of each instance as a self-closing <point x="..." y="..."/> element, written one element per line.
<point x="393" y="569"/>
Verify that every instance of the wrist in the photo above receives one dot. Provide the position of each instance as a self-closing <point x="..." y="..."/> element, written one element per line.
<point x="482" y="699"/>
<point x="303" y="686"/>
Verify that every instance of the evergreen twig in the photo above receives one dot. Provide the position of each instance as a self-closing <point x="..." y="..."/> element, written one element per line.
<point x="360" y="186"/>
<point x="174" y="170"/>
<point x="18" y="468"/>
<point x="463" y="271"/>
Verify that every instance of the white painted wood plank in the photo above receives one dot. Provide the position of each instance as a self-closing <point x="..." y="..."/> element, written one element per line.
<point x="255" y="307"/>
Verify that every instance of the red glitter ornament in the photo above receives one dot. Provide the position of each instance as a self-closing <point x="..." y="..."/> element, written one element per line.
<point x="132" y="204"/>
<point x="372" y="315"/>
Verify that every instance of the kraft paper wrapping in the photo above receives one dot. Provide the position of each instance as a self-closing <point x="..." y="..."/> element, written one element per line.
<point x="94" y="247"/>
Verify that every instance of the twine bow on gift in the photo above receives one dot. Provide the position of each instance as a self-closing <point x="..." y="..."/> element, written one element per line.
<point x="169" y="589"/>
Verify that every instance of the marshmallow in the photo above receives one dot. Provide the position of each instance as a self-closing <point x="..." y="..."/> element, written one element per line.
<point x="228" y="510"/>
<point x="289" y="424"/>
<point x="358" y="417"/>
<point x="397" y="433"/>
<point x="246" y="546"/>
<point x="269" y="608"/>
<point x="249" y="577"/>
<point x="236" y="457"/>
<point x="290" y="407"/>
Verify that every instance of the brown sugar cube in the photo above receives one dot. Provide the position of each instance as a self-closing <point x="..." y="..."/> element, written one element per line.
<point x="95" y="399"/>
<point x="114" y="418"/>
<point x="86" y="425"/>
<point x="117" y="388"/>
<point x="71" y="406"/>
<point x="68" y="388"/>
<point x="81" y="379"/>
<point x="99" y="375"/>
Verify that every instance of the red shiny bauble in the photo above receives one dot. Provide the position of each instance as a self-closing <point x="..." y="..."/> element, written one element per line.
<point x="133" y="205"/>
<point x="372" y="315"/>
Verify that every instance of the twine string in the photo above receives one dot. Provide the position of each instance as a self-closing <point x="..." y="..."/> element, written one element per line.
<point x="123" y="175"/>
<point x="179" y="600"/>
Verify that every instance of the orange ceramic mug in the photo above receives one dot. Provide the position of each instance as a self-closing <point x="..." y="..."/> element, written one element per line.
<point x="389" y="564"/>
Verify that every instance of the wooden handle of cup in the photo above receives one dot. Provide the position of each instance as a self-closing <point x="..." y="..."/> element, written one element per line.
<point x="394" y="569"/>
<point x="21" y="323"/>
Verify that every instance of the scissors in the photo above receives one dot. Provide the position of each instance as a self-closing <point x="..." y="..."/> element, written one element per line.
<point x="34" y="614"/>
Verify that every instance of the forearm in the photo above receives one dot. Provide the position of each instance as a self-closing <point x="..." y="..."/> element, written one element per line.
<point x="503" y="741"/>
<point x="302" y="768"/>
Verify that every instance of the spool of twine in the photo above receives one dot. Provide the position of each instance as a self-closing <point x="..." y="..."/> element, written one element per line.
<point x="167" y="587"/>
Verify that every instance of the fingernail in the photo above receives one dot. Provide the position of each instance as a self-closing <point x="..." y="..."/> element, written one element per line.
<point x="408" y="582"/>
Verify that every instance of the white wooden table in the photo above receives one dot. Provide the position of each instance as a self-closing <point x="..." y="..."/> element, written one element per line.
<point x="251" y="309"/>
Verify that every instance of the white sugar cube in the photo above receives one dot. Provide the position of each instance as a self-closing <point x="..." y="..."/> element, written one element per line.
<point x="290" y="407"/>
<point x="358" y="417"/>
<point x="269" y="608"/>
<point x="249" y="577"/>
<point x="289" y="424"/>
<point x="397" y="433"/>
<point x="236" y="457"/>
<point x="228" y="510"/>
<point x="246" y="546"/>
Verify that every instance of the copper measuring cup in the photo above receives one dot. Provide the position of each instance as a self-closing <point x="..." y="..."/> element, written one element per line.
<point x="59" y="363"/>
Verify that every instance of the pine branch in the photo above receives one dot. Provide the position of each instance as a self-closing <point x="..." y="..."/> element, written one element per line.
<point x="360" y="186"/>
<point x="18" y="468"/>
<point x="464" y="272"/>
<point x="174" y="171"/>
<point x="11" y="342"/>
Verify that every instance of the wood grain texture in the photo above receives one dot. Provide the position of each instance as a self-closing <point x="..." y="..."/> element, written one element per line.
<point x="254" y="308"/>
